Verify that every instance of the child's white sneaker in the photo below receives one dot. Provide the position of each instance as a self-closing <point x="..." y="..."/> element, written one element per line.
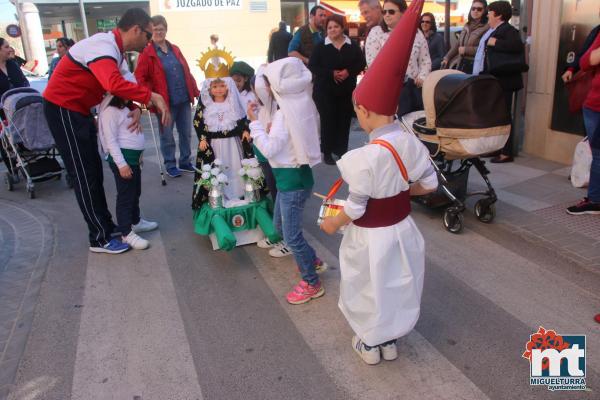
<point x="280" y="250"/>
<point x="389" y="351"/>
<point x="370" y="355"/>
<point x="135" y="241"/>
<point x="144" y="226"/>
<point x="265" y="243"/>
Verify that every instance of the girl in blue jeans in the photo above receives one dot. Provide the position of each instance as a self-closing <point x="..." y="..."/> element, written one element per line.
<point x="288" y="136"/>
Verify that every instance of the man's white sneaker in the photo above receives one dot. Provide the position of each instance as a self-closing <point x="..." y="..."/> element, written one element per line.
<point x="370" y="355"/>
<point x="144" y="226"/>
<point x="135" y="241"/>
<point x="389" y="351"/>
<point x="265" y="243"/>
<point x="280" y="250"/>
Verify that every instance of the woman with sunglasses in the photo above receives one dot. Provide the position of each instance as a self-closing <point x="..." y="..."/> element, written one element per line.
<point x="419" y="65"/>
<point x="465" y="48"/>
<point x="435" y="41"/>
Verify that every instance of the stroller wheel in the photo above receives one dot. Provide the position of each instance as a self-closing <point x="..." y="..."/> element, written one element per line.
<point x="453" y="221"/>
<point x="484" y="211"/>
<point x="8" y="180"/>
<point x="32" y="194"/>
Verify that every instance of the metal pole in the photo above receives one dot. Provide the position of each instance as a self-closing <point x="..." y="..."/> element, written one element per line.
<point x="83" y="19"/>
<point x="447" y="25"/>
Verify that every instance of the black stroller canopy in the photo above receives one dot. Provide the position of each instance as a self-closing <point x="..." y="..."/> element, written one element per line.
<point x="469" y="102"/>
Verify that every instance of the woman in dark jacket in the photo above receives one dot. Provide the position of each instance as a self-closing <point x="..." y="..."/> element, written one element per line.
<point x="435" y="41"/>
<point x="335" y="64"/>
<point x="505" y="41"/>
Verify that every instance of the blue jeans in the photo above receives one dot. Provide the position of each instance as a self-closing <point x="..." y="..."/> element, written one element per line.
<point x="181" y="116"/>
<point x="591" y="120"/>
<point x="287" y="219"/>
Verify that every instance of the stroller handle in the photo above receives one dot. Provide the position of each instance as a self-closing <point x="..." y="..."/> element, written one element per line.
<point x="10" y="92"/>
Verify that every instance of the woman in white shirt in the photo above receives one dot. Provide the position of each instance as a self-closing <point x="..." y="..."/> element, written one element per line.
<point x="419" y="65"/>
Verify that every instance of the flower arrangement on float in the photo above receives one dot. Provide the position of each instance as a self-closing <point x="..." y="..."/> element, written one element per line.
<point x="212" y="178"/>
<point x="253" y="177"/>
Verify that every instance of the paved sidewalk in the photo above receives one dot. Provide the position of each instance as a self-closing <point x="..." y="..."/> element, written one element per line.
<point x="533" y="195"/>
<point x="26" y="245"/>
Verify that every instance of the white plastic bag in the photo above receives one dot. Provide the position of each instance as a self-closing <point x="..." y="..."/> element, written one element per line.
<point x="582" y="162"/>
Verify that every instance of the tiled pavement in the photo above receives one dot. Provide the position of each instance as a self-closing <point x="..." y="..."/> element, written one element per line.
<point x="533" y="195"/>
<point x="26" y="245"/>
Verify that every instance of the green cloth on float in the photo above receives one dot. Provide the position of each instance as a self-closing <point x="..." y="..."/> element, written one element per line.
<point x="209" y="220"/>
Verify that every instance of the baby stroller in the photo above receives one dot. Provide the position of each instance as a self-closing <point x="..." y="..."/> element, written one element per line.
<point x="465" y="117"/>
<point x="27" y="145"/>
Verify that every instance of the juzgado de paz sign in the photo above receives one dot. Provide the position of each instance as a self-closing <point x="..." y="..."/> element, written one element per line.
<point x="200" y="5"/>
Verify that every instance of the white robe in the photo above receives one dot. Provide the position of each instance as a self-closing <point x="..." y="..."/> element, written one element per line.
<point x="229" y="150"/>
<point x="382" y="269"/>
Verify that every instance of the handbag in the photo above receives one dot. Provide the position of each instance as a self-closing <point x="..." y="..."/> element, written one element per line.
<point x="582" y="162"/>
<point x="502" y="63"/>
<point x="578" y="89"/>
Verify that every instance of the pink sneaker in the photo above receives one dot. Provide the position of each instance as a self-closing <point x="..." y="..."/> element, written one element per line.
<point x="303" y="292"/>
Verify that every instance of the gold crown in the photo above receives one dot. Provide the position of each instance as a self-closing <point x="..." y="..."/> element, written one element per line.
<point x="206" y="65"/>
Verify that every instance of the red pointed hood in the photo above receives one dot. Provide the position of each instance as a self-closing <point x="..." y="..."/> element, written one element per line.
<point x="379" y="90"/>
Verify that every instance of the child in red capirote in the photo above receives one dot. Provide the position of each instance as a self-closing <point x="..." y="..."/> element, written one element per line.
<point x="382" y="255"/>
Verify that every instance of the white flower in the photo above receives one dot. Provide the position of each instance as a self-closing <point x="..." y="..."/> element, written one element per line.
<point x="218" y="162"/>
<point x="206" y="167"/>
<point x="253" y="162"/>
<point x="245" y="162"/>
<point x="214" y="182"/>
<point x="222" y="178"/>
<point x="206" y="175"/>
<point x="254" y="173"/>
<point x="242" y="172"/>
<point x="215" y="171"/>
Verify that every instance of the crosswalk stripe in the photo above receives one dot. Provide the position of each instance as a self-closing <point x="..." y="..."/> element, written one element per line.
<point x="132" y="340"/>
<point x="325" y="330"/>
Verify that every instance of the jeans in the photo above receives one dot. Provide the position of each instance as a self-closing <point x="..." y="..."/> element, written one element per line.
<point x="128" y="198"/>
<point x="591" y="120"/>
<point x="181" y="116"/>
<point x="287" y="218"/>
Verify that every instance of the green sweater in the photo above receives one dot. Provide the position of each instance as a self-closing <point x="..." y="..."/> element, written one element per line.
<point x="132" y="157"/>
<point x="290" y="179"/>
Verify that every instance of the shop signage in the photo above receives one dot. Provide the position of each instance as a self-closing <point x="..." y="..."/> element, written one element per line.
<point x="199" y="5"/>
<point x="106" y="25"/>
<point x="13" y="31"/>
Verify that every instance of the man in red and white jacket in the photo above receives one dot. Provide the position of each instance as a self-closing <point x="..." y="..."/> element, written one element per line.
<point x="90" y="69"/>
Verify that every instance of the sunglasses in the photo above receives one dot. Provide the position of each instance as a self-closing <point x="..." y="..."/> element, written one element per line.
<point x="426" y="22"/>
<point x="148" y="34"/>
<point x="389" y="12"/>
<point x="477" y="9"/>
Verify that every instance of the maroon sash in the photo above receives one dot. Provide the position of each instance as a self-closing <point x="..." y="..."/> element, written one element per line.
<point x="387" y="211"/>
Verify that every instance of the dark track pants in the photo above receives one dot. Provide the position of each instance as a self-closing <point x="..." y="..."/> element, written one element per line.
<point x="128" y="198"/>
<point x="76" y="139"/>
